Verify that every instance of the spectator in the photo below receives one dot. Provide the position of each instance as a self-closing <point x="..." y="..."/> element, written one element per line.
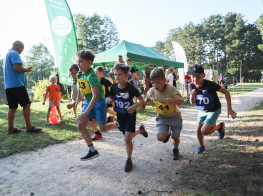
<point x="111" y="74"/>
<point x="170" y="77"/>
<point x="221" y="80"/>
<point x="15" y="86"/>
<point x="175" y="78"/>
<point x="212" y="77"/>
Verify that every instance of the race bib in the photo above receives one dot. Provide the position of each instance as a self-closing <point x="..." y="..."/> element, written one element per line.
<point x="84" y="86"/>
<point x="204" y="102"/>
<point x="121" y="105"/>
<point x="164" y="108"/>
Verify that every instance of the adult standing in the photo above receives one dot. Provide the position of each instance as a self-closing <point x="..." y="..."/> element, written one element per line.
<point x="15" y="86"/>
<point x="175" y="78"/>
<point x="170" y="77"/>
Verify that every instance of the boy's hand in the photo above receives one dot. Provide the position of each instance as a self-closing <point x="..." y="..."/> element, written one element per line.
<point x="43" y="102"/>
<point x="109" y="100"/>
<point x="193" y="92"/>
<point x="69" y="106"/>
<point x="142" y="108"/>
<point x="132" y="109"/>
<point x="231" y="113"/>
<point x="170" y="100"/>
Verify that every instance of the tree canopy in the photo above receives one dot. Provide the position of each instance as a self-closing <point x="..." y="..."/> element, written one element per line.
<point x="219" y="42"/>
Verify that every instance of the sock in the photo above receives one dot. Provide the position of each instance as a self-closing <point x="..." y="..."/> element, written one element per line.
<point x="117" y="124"/>
<point x="97" y="133"/>
<point x="128" y="159"/>
<point x="91" y="148"/>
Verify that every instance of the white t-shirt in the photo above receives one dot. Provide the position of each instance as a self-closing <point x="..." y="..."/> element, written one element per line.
<point x="170" y="77"/>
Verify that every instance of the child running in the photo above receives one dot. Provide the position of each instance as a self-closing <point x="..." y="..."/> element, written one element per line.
<point x="73" y="70"/>
<point x="203" y="93"/>
<point x="122" y="94"/>
<point x="54" y="97"/>
<point x="94" y="101"/>
<point x="166" y="99"/>
<point x="106" y="84"/>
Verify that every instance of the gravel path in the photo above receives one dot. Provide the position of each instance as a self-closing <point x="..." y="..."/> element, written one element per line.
<point x="57" y="170"/>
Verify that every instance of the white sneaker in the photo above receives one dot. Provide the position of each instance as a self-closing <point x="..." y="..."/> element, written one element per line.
<point x="47" y="122"/>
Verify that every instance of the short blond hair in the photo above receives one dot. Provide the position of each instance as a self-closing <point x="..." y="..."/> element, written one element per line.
<point x="51" y="77"/>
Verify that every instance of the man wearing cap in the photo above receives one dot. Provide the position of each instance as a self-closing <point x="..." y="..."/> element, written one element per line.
<point x="204" y="94"/>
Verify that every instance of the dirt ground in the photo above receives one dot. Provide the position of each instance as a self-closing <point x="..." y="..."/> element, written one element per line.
<point x="57" y="170"/>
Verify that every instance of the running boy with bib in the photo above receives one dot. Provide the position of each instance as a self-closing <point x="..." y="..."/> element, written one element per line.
<point x="94" y="101"/>
<point x="122" y="93"/>
<point x="203" y="93"/>
<point x="166" y="99"/>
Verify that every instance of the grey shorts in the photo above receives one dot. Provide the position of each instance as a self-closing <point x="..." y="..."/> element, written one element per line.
<point x="175" y="123"/>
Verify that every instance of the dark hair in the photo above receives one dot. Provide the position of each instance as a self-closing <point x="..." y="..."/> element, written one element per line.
<point x="127" y="60"/>
<point x="122" y="66"/>
<point x="73" y="66"/>
<point x="99" y="68"/>
<point x="157" y="73"/>
<point x="88" y="55"/>
<point x="147" y="74"/>
<point x="136" y="69"/>
<point x="119" y="56"/>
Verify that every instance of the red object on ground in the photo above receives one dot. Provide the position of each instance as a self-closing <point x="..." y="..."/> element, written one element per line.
<point x="54" y="119"/>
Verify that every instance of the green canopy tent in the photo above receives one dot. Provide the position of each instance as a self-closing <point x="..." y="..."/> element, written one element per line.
<point x="141" y="56"/>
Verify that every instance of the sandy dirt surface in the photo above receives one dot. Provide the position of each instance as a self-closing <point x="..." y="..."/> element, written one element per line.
<point x="57" y="169"/>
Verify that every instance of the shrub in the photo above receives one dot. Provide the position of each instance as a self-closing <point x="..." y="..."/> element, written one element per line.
<point x="40" y="88"/>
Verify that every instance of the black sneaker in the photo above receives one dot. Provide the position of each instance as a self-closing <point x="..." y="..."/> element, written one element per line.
<point x="176" y="154"/>
<point x="143" y="131"/>
<point x="128" y="166"/>
<point x="167" y="138"/>
<point x="90" y="155"/>
<point x="221" y="131"/>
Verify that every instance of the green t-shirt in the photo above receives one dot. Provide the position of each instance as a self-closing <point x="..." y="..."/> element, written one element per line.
<point x="87" y="81"/>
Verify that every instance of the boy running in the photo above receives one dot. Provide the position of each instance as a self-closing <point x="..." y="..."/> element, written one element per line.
<point x="94" y="101"/>
<point x="122" y="94"/>
<point x="203" y="93"/>
<point x="166" y="99"/>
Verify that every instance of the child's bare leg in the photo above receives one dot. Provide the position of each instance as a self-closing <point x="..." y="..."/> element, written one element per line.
<point x="208" y="129"/>
<point x="59" y="113"/>
<point x="128" y="141"/>
<point x="136" y="133"/>
<point x="107" y="127"/>
<point x="84" y="132"/>
<point x="48" y="113"/>
<point x="92" y="125"/>
<point x="176" y="141"/>
<point x="200" y="136"/>
<point x="161" y="137"/>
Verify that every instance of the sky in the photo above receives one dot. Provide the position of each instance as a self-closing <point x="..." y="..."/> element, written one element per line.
<point x="139" y="21"/>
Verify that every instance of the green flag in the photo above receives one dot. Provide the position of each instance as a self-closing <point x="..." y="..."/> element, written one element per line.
<point x="64" y="37"/>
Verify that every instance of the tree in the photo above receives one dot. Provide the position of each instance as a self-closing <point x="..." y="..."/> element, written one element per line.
<point x="94" y="32"/>
<point x="260" y="27"/>
<point x="42" y="62"/>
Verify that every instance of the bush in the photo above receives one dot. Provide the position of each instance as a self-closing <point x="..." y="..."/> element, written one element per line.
<point x="39" y="88"/>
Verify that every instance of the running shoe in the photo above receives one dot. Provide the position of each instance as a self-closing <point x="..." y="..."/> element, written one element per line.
<point x="143" y="131"/>
<point x="128" y="166"/>
<point x="48" y="123"/>
<point x="176" y="154"/>
<point x="221" y="130"/>
<point x="167" y="138"/>
<point x="90" y="155"/>
<point x="110" y="119"/>
<point x="200" y="150"/>
<point x="96" y="137"/>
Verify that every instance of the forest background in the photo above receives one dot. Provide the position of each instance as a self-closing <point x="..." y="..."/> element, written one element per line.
<point x="218" y="42"/>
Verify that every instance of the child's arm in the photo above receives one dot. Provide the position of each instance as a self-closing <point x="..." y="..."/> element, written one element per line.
<point x="175" y="101"/>
<point x="192" y="96"/>
<point x="230" y="111"/>
<point x="135" y="106"/>
<point x="147" y="100"/>
<point x="44" y="99"/>
<point x="94" y="99"/>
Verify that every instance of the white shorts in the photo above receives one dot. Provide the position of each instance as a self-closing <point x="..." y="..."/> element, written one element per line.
<point x="55" y="102"/>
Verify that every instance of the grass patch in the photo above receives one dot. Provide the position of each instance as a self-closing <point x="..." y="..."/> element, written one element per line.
<point x="234" y="165"/>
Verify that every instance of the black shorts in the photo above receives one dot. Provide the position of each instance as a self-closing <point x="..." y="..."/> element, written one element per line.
<point x="127" y="122"/>
<point x="221" y="82"/>
<point x="15" y="96"/>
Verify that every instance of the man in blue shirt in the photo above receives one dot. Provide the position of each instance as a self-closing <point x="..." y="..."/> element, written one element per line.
<point x="15" y="86"/>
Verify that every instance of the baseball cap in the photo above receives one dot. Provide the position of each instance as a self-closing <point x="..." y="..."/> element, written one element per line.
<point x="195" y="70"/>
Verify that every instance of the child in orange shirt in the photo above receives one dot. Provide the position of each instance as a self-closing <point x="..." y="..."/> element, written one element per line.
<point x="54" y="97"/>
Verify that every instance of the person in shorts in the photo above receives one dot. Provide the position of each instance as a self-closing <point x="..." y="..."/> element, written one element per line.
<point x="122" y="93"/>
<point x="52" y="92"/>
<point x="94" y="101"/>
<point x="203" y="93"/>
<point x="169" y="119"/>
<point x="15" y="87"/>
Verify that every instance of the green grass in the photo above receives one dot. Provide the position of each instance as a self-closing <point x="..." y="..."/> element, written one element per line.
<point x="242" y="88"/>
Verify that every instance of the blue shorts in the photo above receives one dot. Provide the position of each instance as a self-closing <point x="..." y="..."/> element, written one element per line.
<point x="127" y="122"/>
<point x="208" y="117"/>
<point x="99" y="110"/>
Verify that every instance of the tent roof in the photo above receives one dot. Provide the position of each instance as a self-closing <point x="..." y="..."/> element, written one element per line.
<point x="141" y="56"/>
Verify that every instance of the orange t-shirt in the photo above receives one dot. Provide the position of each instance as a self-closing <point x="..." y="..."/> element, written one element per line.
<point x="53" y="91"/>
